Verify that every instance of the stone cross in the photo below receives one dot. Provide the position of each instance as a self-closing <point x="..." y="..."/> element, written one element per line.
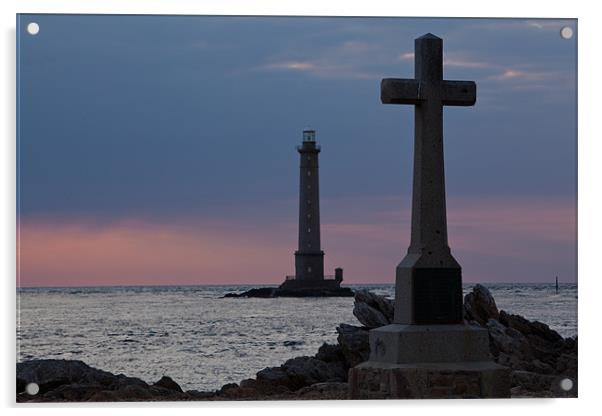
<point x="428" y="280"/>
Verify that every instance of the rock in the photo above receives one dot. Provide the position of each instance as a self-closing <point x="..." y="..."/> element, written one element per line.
<point x="301" y="372"/>
<point x="324" y="391"/>
<point x="200" y="395"/>
<point x="227" y="387"/>
<point x="507" y="340"/>
<point x="272" y="376"/>
<point x="21" y="384"/>
<point x="71" y="380"/>
<point x="262" y="292"/>
<point x="527" y="327"/>
<point x="169" y="384"/>
<point x="368" y="316"/>
<point x="480" y="306"/>
<point x="330" y="353"/>
<point x="315" y="292"/>
<point x="355" y="344"/>
<point x="273" y="292"/>
<point x="373" y="310"/>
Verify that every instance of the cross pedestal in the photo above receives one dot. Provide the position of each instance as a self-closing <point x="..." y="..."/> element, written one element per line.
<point x="428" y="352"/>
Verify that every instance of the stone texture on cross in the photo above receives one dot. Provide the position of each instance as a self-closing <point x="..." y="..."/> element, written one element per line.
<point x="428" y="279"/>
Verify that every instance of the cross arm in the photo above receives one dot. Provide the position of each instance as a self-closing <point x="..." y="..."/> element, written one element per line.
<point x="459" y="93"/>
<point x="399" y="91"/>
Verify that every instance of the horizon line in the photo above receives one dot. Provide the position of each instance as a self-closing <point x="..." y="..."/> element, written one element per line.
<point x="257" y="284"/>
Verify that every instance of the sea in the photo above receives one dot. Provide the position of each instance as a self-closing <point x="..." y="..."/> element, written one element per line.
<point x="202" y="340"/>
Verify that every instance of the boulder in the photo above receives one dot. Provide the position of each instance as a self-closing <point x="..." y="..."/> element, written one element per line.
<point x="533" y="328"/>
<point x="480" y="306"/>
<point x="262" y="292"/>
<point x="368" y="316"/>
<point x="167" y="383"/>
<point x="507" y="340"/>
<point x="303" y="371"/>
<point x="372" y="310"/>
<point x="355" y="344"/>
<point x="75" y="381"/>
<point x="324" y="391"/>
<point x="330" y="353"/>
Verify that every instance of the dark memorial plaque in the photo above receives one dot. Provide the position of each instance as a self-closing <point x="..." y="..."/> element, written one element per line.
<point x="437" y="296"/>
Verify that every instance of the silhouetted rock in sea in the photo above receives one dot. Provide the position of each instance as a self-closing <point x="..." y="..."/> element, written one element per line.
<point x="274" y="292"/>
<point x="538" y="356"/>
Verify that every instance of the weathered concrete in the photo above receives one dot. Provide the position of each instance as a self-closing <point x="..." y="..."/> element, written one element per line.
<point x="474" y="379"/>
<point x="402" y="344"/>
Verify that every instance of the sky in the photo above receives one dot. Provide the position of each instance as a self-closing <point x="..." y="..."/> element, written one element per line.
<point x="162" y="149"/>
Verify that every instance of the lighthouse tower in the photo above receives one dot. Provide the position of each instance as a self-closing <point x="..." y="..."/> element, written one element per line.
<point x="309" y="275"/>
<point x="309" y="258"/>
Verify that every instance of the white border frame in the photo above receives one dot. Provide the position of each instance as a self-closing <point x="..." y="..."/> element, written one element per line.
<point x="590" y="199"/>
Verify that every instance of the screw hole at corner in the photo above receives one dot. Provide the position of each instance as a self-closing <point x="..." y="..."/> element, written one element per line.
<point x="32" y="389"/>
<point x="33" y="28"/>
<point x="566" y="384"/>
<point x="566" y="32"/>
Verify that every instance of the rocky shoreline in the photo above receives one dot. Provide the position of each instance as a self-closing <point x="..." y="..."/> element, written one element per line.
<point x="539" y="359"/>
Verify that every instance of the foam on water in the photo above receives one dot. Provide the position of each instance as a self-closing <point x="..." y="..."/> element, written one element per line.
<point x="204" y="341"/>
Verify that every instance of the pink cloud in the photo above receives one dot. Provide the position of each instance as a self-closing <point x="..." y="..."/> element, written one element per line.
<point x="136" y="252"/>
<point x="501" y="239"/>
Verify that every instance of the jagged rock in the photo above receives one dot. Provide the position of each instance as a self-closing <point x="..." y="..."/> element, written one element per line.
<point x="324" y="391"/>
<point x="480" y="306"/>
<point x="368" y="316"/>
<point x="21" y="384"/>
<point x="71" y="380"/>
<point x="355" y="343"/>
<point x="262" y="292"/>
<point x="274" y="292"/>
<point x="167" y="383"/>
<point x="200" y="395"/>
<point x="330" y="353"/>
<point x="507" y="340"/>
<point x="372" y="310"/>
<point x="526" y="327"/>
<point x="303" y="371"/>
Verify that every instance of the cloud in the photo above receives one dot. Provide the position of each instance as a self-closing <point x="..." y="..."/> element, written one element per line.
<point x="321" y="69"/>
<point x="350" y="59"/>
<point x="456" y="62"/>
<point x="295" y="66"/>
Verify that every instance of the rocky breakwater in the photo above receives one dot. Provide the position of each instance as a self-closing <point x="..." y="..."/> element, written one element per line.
<point x="276" y="292"/>
<point x="539" y="357"/>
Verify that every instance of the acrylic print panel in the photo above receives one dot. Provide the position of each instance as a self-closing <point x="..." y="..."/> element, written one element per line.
<point x="261" y="208"/>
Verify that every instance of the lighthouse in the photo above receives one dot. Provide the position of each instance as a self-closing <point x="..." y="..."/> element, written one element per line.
<point x="309" y="257"/>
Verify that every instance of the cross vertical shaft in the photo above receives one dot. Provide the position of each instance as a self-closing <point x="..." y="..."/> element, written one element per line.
<point x="429" y="224"/>
<point x="429" y="280"/>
